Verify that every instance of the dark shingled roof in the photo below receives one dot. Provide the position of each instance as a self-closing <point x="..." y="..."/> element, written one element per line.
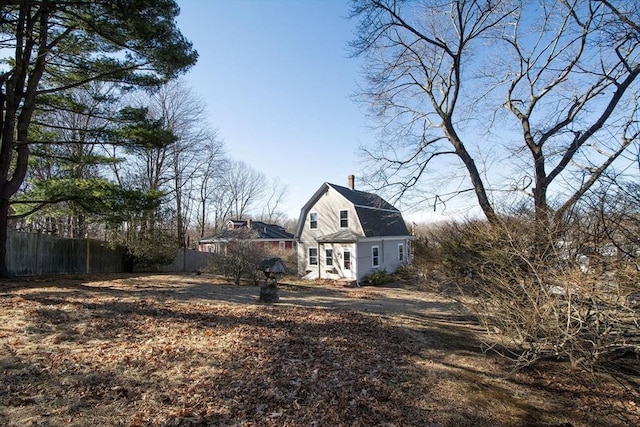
<point x="378" y="223"/>
<point x="362" y="198"/>
<point x="270" y="231"/>
<point x="262" y="229"/>
<point x="377" y="216"/>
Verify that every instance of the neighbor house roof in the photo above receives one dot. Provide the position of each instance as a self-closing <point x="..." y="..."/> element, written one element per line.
<point x="270" y="231"/>
<point x="263" y="231"/>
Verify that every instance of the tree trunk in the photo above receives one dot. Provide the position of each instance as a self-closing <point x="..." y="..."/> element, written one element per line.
<point x="540" y="204"/>
<point x="474" y="174"/>
<point x="4" y="233"/>
<point x="179" y="218"/>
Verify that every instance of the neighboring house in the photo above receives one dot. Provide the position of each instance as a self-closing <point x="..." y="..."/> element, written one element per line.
<point x="268" y="236"/>
<point x="344" y="233"/>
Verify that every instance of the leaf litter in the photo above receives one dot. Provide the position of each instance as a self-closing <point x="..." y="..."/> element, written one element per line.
<point x="149" y="351"/>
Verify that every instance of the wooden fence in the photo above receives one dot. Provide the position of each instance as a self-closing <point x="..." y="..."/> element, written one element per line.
<point x="36" y="254"/>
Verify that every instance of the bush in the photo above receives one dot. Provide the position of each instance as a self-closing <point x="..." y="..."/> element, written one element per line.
<point x="240" y="260"/>
<point x="377" y="278"/>
<point x="242" y="256"/>
<point x="533" y="294"/>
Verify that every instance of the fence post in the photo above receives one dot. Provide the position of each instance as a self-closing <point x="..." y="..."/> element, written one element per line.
<point x="184" y="259"/>
<point x="88" y="257"/>
<point x="38" y="256"/>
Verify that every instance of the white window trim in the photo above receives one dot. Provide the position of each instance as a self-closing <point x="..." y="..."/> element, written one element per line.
<point x="328" y="258"/>
<point x="401" y="254"/>
<point x="344" y="252"/>
<point x="340" y="218"/>
<point x="375" y="259"/>
<point x="311" y="257"/>
<point x="311" y="221"/>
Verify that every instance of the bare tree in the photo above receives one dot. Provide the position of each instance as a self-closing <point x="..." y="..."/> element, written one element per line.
<point x="614" y="214"/>
<point x="210" y="181"/>
<point x="184" y="113"/>
<point x="244" y="187"/>
<point x="272" y="199"/>
<point x="176" y="169"/>
<point x="241" y="257"/>
<point x="532" y="308"/>
<point x="456" y="79"/>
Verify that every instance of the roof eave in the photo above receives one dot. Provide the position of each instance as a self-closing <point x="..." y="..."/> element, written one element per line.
<point x="307" y="206"/>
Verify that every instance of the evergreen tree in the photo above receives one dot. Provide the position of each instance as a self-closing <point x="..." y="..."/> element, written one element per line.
<point x="60" y="45"/>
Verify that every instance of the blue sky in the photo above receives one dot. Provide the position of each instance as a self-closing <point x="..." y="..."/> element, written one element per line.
<point x="277" y="79"/>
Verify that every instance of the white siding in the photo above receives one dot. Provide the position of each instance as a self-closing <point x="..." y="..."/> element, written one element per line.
<point x="328" y="208"/>
<point x="388" y="255"/>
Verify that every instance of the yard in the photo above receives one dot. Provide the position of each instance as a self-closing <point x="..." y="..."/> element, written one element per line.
<point x="183" y="350"/>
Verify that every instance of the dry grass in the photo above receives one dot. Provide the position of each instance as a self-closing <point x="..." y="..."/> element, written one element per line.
<point x="170" y="350"/>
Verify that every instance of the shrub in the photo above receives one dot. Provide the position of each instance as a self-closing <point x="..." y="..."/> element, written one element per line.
<point x="533" y="296"/>
<point x="377" y="278"/>
<point x="240" y="260"/>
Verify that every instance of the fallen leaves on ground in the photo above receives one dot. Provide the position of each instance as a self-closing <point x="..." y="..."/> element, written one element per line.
<point x="102" y="355"/>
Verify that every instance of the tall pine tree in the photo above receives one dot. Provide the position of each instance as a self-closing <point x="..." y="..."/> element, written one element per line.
<point x="59" y="45"/>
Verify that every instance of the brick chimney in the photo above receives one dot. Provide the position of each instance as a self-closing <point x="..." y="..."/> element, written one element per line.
<point x="351" y="179"/>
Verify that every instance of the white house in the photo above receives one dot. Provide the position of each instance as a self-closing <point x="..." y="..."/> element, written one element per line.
<point x="344" y="233"/>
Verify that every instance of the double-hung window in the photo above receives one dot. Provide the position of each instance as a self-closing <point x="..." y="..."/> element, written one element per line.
<point x="344" y="219"/>
<point x="313" y="220"/>
<point x="313" y="256"/>
<point x="400" y="252"/>
<point x="328" y="253"/>
<point x="375" y="256"/>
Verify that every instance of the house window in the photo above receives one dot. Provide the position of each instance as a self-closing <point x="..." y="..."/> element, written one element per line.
<point x="344" y="219"/>
<point x="328" y="253"/>
<point x="400" y="252"/>
<point x="346" y="261"/>
<point x="375" y="256"/>
<point x="281" y="244"/>
<point x="313" y="220"/>
<point x="313" y="256"/>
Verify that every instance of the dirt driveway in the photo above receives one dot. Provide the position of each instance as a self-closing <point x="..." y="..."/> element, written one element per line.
<point x="393" y="301"/>
<point x="421" y="313"/>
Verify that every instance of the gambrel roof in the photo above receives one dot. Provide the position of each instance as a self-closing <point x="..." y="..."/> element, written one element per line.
<point x="362" y="198"/>
<point x="377" y="217"/>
